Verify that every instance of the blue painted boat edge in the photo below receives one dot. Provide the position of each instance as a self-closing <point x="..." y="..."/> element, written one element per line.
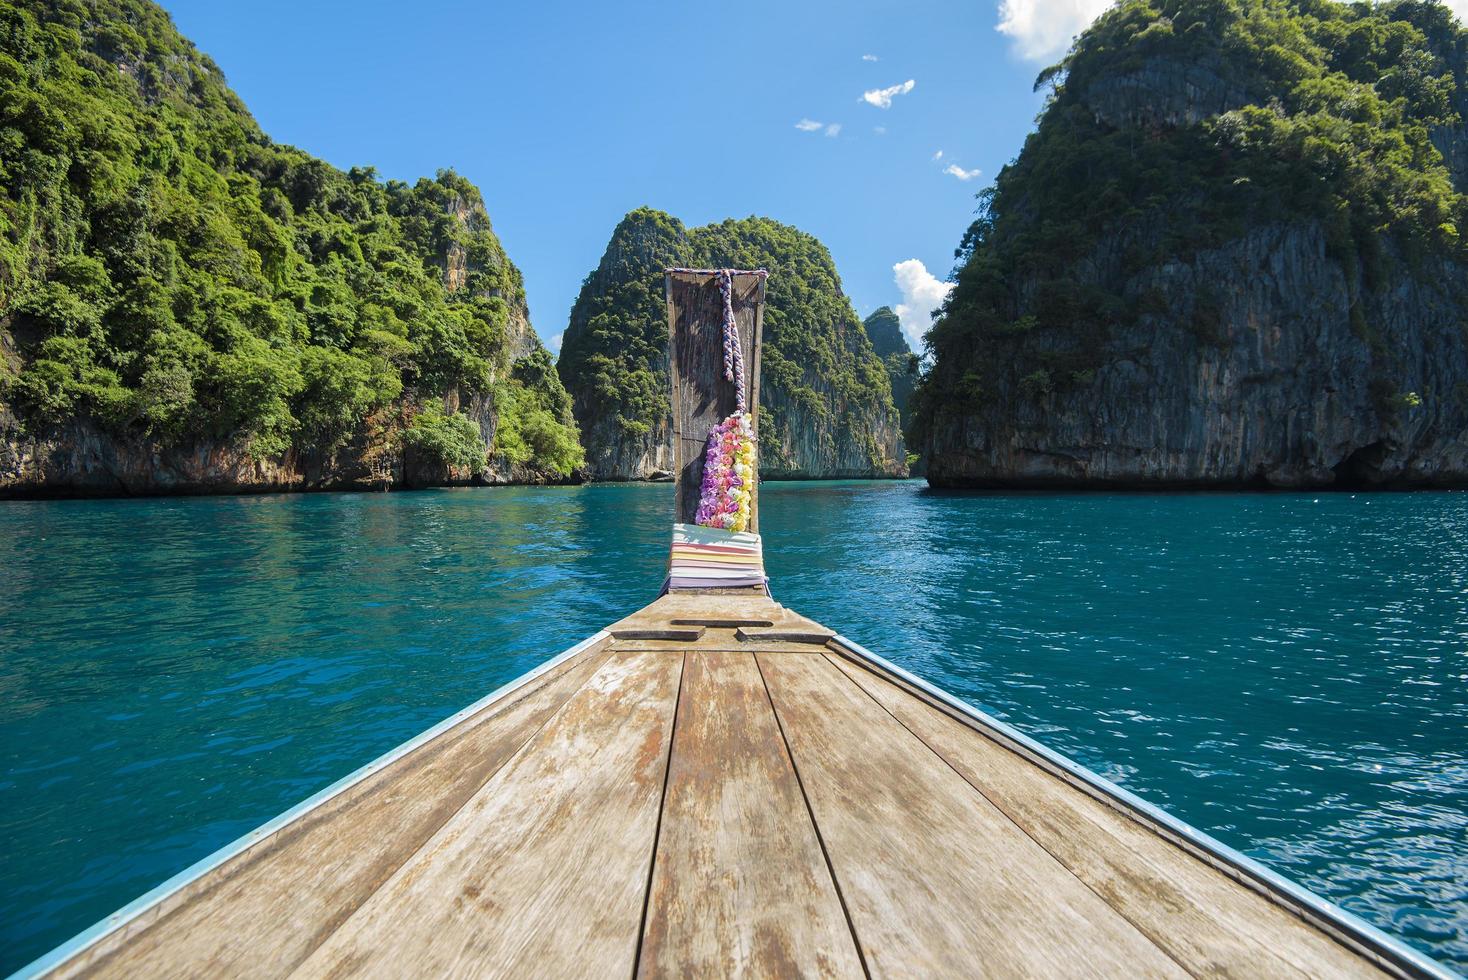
<point x="1388" y="951"/>
<point x="128" y="913"/>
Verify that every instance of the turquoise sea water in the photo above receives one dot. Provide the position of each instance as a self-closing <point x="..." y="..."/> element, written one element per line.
<point x="1286" y="671"/>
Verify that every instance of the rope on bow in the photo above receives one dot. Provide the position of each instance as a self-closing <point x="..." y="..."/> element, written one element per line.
<point x="733" y="349"/>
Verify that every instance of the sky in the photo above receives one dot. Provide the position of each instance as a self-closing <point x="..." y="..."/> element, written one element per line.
<point x="871" y="125"/>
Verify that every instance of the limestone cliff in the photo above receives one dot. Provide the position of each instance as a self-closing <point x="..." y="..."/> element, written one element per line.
<point x="79" y="457"/>
<point x="189" y="306"/>
<point x="1248" y="371"/>
<point x="825" y="400"/>
<point x="1204" y="270"/>
<point x="614" y="353"/>
<point x="884" y="329"/>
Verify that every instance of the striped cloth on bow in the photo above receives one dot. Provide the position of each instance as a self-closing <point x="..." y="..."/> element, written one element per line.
<point x="710" y="558"/>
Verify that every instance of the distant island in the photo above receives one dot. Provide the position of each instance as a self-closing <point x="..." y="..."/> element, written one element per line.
<point x="826" y="406"/>
<point x="884" y="330"/>
<point x="1231" y="256"/>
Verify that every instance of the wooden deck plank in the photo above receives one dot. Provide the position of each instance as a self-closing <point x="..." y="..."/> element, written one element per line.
<point x="263" y="912"/>
<point x="739" y="885"/>
<point x="937" y="881"/>
<point x="543" y="873"/>
<point x="724" y="642"/>
<point x="1208" y="922"/>
<point x="701" y="608"/>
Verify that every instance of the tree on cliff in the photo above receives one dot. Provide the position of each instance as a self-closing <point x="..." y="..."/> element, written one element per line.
<point x="884" y="330"/>
<point x="170" y="274"/>
<point x="1181" y="138"/>
<point x="825" y="398"/>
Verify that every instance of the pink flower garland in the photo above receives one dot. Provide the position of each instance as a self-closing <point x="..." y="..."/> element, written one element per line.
<point x="726" y="495"/>
<point x="728" y="474"/>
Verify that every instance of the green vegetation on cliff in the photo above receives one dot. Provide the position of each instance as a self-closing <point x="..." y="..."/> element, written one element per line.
<point x="614" y="355"/>
<point x="824" y="393"/>
<point x="884" y="330"/>
<point x="1177" y="126"/>
<point x="169" y="273"/>
<point x="534" y="408"/>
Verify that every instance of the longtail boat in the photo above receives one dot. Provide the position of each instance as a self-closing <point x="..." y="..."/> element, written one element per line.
<point x="717" y="785"/>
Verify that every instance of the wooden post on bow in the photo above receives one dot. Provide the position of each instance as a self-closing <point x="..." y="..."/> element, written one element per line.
<point x="702" y="396"/>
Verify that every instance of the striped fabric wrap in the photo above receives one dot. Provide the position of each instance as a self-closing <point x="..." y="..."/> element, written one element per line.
<point x="711" y="558"/>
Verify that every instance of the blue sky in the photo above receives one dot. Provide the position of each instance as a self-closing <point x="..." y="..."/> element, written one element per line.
<point x="569" y="114"/>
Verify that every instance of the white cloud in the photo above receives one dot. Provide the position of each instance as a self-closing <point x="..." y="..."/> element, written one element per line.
<point x="882" y="97"/>
<point x="922" y="293"/>
<point x="869" y="57"/>
<point x="1041" y="30"/>
<point x="960" y="173"/>
<point x="808" y="125"/>
<point x="938" y="155"/>
<point x="880" y="130"/>
<point x="833" y="130"/>
<point x="554" y="344"/>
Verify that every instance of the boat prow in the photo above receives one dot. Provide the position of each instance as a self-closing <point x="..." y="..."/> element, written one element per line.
<point x="717" y="785"/>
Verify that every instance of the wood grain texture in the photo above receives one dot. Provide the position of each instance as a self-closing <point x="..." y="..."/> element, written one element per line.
<point x="816" y="636"/>
<point x="813" y="816"/>
<point x="1208" y="922"/>
<point x="739" y="886"/>
<point x="937" y="881"/>
<point x="543" y="873"/>
<point x="715" y="612"/>
<point x="701" y="396"/>
<point x="263" y="912"/>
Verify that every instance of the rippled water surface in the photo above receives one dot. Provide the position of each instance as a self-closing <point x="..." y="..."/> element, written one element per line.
<point x="1288" y="672"/>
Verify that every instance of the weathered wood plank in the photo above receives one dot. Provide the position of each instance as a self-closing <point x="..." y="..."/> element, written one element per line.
<point x="817" y="636"/>
<point x="937" y="881"/>
<point x="1209" y="923"/>
<point x="724" y="641"/>
<point x="682" y="634"/>
<point x="701" y="396"/>
<point x="263" y="912"/>
<point x="544" y="872"/>
<point x="706" y="608"/>
<point x="739" y="885"/>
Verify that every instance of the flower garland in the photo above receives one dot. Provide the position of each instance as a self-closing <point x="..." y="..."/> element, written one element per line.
<point x="728" y="475"/>
<point x="729" y="460"/>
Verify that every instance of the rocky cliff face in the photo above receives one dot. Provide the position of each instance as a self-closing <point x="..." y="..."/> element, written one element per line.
<point x="825" y="401"/>
<point x="817" y="430"/>
<point x="1271" y="386"/>
<point x="1238" y="333"/>
<point x="884" y="329"/>
<point x="801" y="439"/>
<point x="470" y="222"/>
<point x="614" y="353"/>
<point x="1164" y="92"/>
<point x="78" y="457"/>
